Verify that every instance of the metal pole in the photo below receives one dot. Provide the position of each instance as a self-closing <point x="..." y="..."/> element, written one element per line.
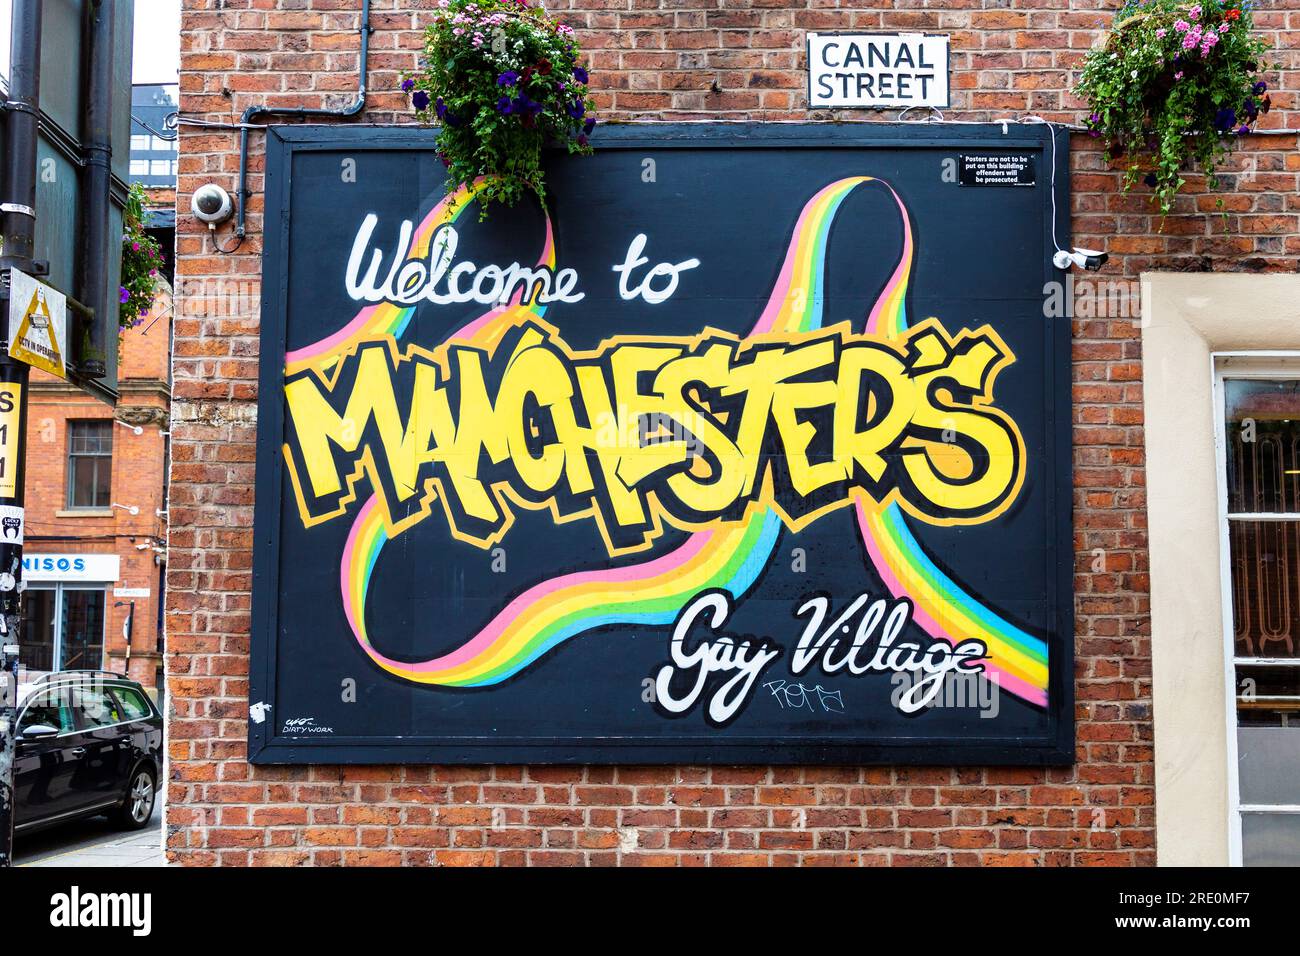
<point x="128" y="629"/>
<point x="22" y="112"/>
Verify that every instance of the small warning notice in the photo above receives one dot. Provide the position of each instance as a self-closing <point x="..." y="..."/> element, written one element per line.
<point x="997" y="169"/>
<point x="38" y="316"/>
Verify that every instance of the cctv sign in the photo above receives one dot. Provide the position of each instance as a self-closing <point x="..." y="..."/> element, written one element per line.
<point x="877" y="70"/>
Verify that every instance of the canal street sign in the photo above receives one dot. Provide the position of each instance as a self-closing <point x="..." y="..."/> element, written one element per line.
<point x="753" y="446"/>
<point x="877" y="70"/>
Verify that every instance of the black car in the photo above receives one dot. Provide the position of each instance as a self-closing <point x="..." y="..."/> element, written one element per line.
<point x="89" y="742"/>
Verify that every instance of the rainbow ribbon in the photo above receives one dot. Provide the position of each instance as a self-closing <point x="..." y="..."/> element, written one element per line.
<point x="730" y="558"/>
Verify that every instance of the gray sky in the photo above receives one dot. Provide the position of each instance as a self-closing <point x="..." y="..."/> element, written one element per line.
<point x="157" y="41"/>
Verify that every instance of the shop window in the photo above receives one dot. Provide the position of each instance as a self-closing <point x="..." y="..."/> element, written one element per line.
<point x="81" y="643"/>
<point x="37" y="649"/>
<point x="90" y="464"/>
<point x="1262" y="488"/>
<point x="63" y="629"/>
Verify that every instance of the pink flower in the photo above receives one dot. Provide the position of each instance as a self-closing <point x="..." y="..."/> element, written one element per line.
<point x="1191" y="41"/>
<point x="1160" y="34"/>
<point x="1195" y="12"/>
<point x="1178" y="75"/>
<point x="1182" y="26"/>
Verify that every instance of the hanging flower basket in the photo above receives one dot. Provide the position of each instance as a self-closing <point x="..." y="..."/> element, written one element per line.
<point x="503" y="81"/>
<point x="1174" y="85"/>
<point x="141" y="259"/>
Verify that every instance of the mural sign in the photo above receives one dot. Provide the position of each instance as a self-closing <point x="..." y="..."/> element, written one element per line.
<point x="752" y="446"/>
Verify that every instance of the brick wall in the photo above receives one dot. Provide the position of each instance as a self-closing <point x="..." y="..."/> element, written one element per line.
<point x="677" y="60"/>
<point x="137" y="480"/>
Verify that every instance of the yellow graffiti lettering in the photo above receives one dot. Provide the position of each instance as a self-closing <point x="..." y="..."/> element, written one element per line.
<point x="645" y="432"/>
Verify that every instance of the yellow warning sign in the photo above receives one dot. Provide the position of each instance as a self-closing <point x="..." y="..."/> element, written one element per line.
<point x="11" y="394"/>
<point x="37" y="320"/>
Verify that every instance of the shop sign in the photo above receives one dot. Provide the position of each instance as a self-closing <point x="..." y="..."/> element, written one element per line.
<point x="71" y="567"/>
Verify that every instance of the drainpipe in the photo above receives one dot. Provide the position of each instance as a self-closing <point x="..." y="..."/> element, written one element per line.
<point x="98" y="148"/>
<point x="300" y="112"/>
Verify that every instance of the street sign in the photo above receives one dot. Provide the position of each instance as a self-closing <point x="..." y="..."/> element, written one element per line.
<point x="877" y="70"/>
<point x="38" y="322"/>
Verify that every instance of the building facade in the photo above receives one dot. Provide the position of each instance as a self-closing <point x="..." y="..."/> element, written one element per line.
<point x="94" y="561"/>
<point x="1154" y="773"/>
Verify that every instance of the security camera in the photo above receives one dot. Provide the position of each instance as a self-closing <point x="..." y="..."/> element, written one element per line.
<point x="211" y="204"/>
<point x="1089" y="259"/>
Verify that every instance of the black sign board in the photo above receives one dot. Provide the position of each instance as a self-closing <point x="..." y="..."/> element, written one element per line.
<point x="997" y="169"/>
<point x="753" y="447"/>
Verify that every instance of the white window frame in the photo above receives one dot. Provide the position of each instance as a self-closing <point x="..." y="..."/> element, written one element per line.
<point x="1265" y="365"/>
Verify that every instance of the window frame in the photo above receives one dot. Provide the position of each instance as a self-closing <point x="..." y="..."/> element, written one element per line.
<point x="1259" y="365"/>
<point x="58" y="589"/>
<point x="70" y="462"/>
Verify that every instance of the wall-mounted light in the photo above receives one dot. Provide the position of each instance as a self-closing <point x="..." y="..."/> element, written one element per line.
<point x="130" y="509"/>
<point x="135" y="429"/>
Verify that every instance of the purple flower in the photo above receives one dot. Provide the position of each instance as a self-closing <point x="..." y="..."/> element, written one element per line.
<point x="508" y="78"/>
<point x="123" y="294"/>
<point x="582" y="140"/>
<point x="503" y="105"/>
<point x="440" y="108"/>
<point x="1225" y="119"/>
<point x="420" y="100"/>
<point x="523" y="104"/>
<point x="1150" y="180"/>
<point x="575" y="109"/>
<point x="588" y="126"/>
<point x="408" y="85"/>
<point x="580" y="74"/>
<point x="1259" y="88"/>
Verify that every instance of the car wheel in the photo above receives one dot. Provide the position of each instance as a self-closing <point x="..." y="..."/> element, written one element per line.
<point x="137" y="806"/>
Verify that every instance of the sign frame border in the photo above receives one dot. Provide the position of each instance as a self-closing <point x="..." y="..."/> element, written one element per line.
<point x="1055" y="748"/>
<point x="901" y="107"/>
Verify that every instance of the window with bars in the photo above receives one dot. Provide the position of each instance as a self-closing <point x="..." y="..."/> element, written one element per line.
<point x="90" y="464"/>
<point x="1262" y="483"/>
